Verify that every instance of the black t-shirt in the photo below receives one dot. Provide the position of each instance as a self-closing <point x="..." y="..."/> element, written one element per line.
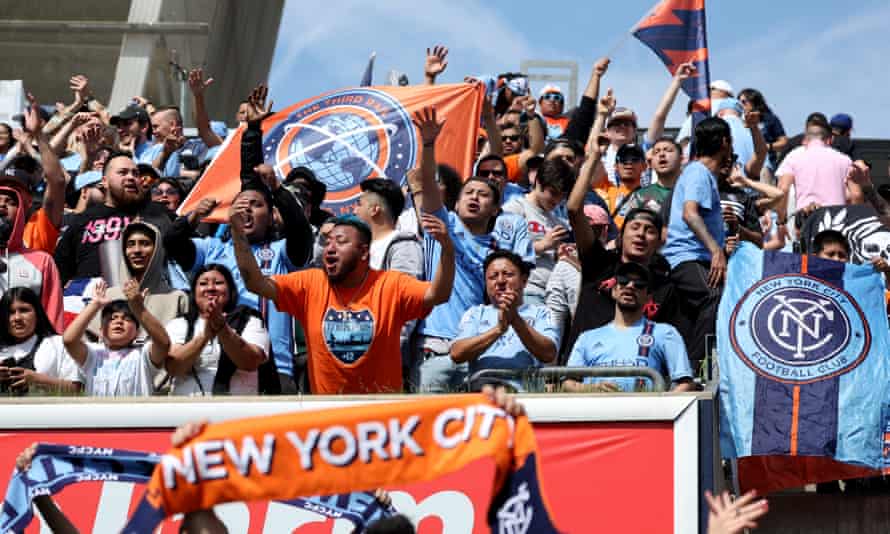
<point x="743" y="204"/>
<point x="595" y="305"/>
<point x="77" y="253"/>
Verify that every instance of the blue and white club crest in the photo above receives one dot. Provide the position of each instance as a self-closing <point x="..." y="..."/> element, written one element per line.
<point x="348" y="333"/>
<point x="345" y="137"/>
<point x="799" y="329"/>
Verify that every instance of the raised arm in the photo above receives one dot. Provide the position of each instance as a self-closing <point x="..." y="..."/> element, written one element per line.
<point x="436" y="63"/>
<point x="755" y="164"/>
<point x="579" y="125"/>
<point x="73" y="336"/>
<point x="861" y="175"/>
<point x="182" y="357"/>
<point x="296" y="229"/>
<point x="584" y="236"/>
<point x="656" y="127"/>
<point x="254" y="279"/>
<point x="198" y="84"/>
<point x="443" y="281"/>
<point x="429" y="198"/>
<point x="490" y="123"/>
<point x="54" y="196"/>
<point x="57" y="522"/>
<point x="160" y="341"/>
<point x="537" y="134"/>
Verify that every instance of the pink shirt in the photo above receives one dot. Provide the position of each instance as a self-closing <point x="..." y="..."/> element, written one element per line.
<point x="820" y="174"/>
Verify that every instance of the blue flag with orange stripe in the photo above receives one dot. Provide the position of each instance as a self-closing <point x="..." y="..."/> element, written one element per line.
<point x="676" y="31"/>
<point x="803" y="353"/>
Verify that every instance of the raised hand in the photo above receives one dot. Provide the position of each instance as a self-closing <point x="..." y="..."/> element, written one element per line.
<point x="80" y="85"/>
<point x="186" y="432"/>
<point x="174" y="141"/>
<point x="601" y="66"/>
<point x="142" y="102"/>
<point x="504" y="400"/>
<point x="436" y="62"/>
<point x="428" y="124"/>
<point x="236" y="220"/>
<point x="607" y="102"/>
<point x="732" y="517"/>
<point x="435" y="228"/>
<point x="23" y="460"/>
<point x="685" y="71"/>
<point x="216" y="319"/>
<point x="206" y="207"/>
<point x="133" y="294"/>
<point x="528" y="105"/>
<point x="752" y="119"/>
<point x="197" y="83"/>
<point x="99" y="293"/>
<point x="81" y="118"/>
<point x="257" y="109"/>
<point x="33" y="124"/>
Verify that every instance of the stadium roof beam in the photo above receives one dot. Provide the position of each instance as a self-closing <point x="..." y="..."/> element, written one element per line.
<point x="154" y="28"/>
<point x="531" y="67"/>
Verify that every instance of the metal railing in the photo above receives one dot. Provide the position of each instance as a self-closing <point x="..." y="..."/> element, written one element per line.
<point x="543" y="373"/>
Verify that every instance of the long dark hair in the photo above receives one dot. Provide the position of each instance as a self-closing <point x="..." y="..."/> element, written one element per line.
<point x="193" y="312"/>
<point x="43" y="328"/>
<point x="756" y="99"/>
<point x="8" y="128"/>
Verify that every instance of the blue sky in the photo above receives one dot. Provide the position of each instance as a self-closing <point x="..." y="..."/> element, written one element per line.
<point x="830" y="58"/>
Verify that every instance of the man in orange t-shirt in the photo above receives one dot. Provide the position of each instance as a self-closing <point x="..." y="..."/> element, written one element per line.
<point x="352" y="315"/>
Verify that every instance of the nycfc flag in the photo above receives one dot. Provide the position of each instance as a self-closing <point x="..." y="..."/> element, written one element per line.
<point x="348" y="136"/>
<point x="804" y="368"/>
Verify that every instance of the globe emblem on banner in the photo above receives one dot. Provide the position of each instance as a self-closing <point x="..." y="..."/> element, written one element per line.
<point x="345" y="138"/>
<point x="799" y="329"/>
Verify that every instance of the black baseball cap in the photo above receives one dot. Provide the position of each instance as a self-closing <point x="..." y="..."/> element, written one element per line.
<point x="389" y="190"/>
<point x="630" y="152"/>
<point x="632" y="267"/>
<point x="317" y="188"/>
<point x="645" y="214"/>
<point x="129" y="113"/>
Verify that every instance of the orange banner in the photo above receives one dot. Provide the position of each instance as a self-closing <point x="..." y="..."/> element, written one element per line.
<point x="348" y="136"/>
<point x="341" y="450"/>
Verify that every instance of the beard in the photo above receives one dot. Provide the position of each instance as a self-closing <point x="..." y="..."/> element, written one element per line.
<point x="628" y="307"/>
<point x="125" y="199"/>
<point x="347" y="266"/>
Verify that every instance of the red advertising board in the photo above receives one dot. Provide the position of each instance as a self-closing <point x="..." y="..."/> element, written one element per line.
<point x="595" y="475"/>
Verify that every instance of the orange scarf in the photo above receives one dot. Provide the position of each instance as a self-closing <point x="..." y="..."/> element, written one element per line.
<point x="342" y="450"/>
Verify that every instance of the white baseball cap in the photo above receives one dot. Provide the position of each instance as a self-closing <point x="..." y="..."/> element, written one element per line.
<point x="549" y="88"/>
<point x="722" y="85"/>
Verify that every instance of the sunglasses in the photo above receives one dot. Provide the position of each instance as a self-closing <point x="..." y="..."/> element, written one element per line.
<point x="164" y="191"/>
<point x="631" y="159"/>
<point x="511" y="138"/>
<point x="624" y="280"/>
<point x="491" y="172"/>
<point x="552" y="96"/>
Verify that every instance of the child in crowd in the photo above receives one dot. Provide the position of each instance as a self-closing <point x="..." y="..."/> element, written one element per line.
<point x="116" y="366"/>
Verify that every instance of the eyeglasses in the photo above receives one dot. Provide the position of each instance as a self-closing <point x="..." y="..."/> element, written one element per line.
<point x="624" y="280"/>
<point x="486" y="173"/>
<point x="552" y="96"/>
<point x="511" y="138"/>
<point x="164" y="191"/>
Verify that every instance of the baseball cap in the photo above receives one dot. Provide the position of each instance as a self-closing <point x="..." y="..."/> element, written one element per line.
<point x="596" y="214"/>
<point x="316" y="187"/>
<point x="147" y="170"/>
<point x="842" y="121"/>
<point x="45" y="112"/>
<point x="644" y="214"/>
<point x="632" y="267"/>
<point x="622" y="113"/>
<point x="129" y="113"/>
<point x="172" y="182"/>
<point x="24" y="169"/>
<point x="549" y="89"/>
<point x="86" y="179"/>
<point x="729" y="103"/>
<point x="390" y="192"/>
<point x="722" y="85"/>
<point x="630" y="152"/>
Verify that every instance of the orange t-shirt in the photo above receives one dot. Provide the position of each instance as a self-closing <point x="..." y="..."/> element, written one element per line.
<point x="615" y="197"/>
<point x="352" y="334"/>
<point x="514" y="173"/>
<point x="40" y="234"/>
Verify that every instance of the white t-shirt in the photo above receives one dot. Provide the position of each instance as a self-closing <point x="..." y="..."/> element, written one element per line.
<point x="539" y="223"/>
<point x="242" y="382"/>
<point x="126" y="372"/>
<point x="51" y="359"/>
<point x="378" y="250"/>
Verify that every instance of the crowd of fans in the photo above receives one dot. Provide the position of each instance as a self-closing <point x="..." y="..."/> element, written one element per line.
<point x="576" y="241"/>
